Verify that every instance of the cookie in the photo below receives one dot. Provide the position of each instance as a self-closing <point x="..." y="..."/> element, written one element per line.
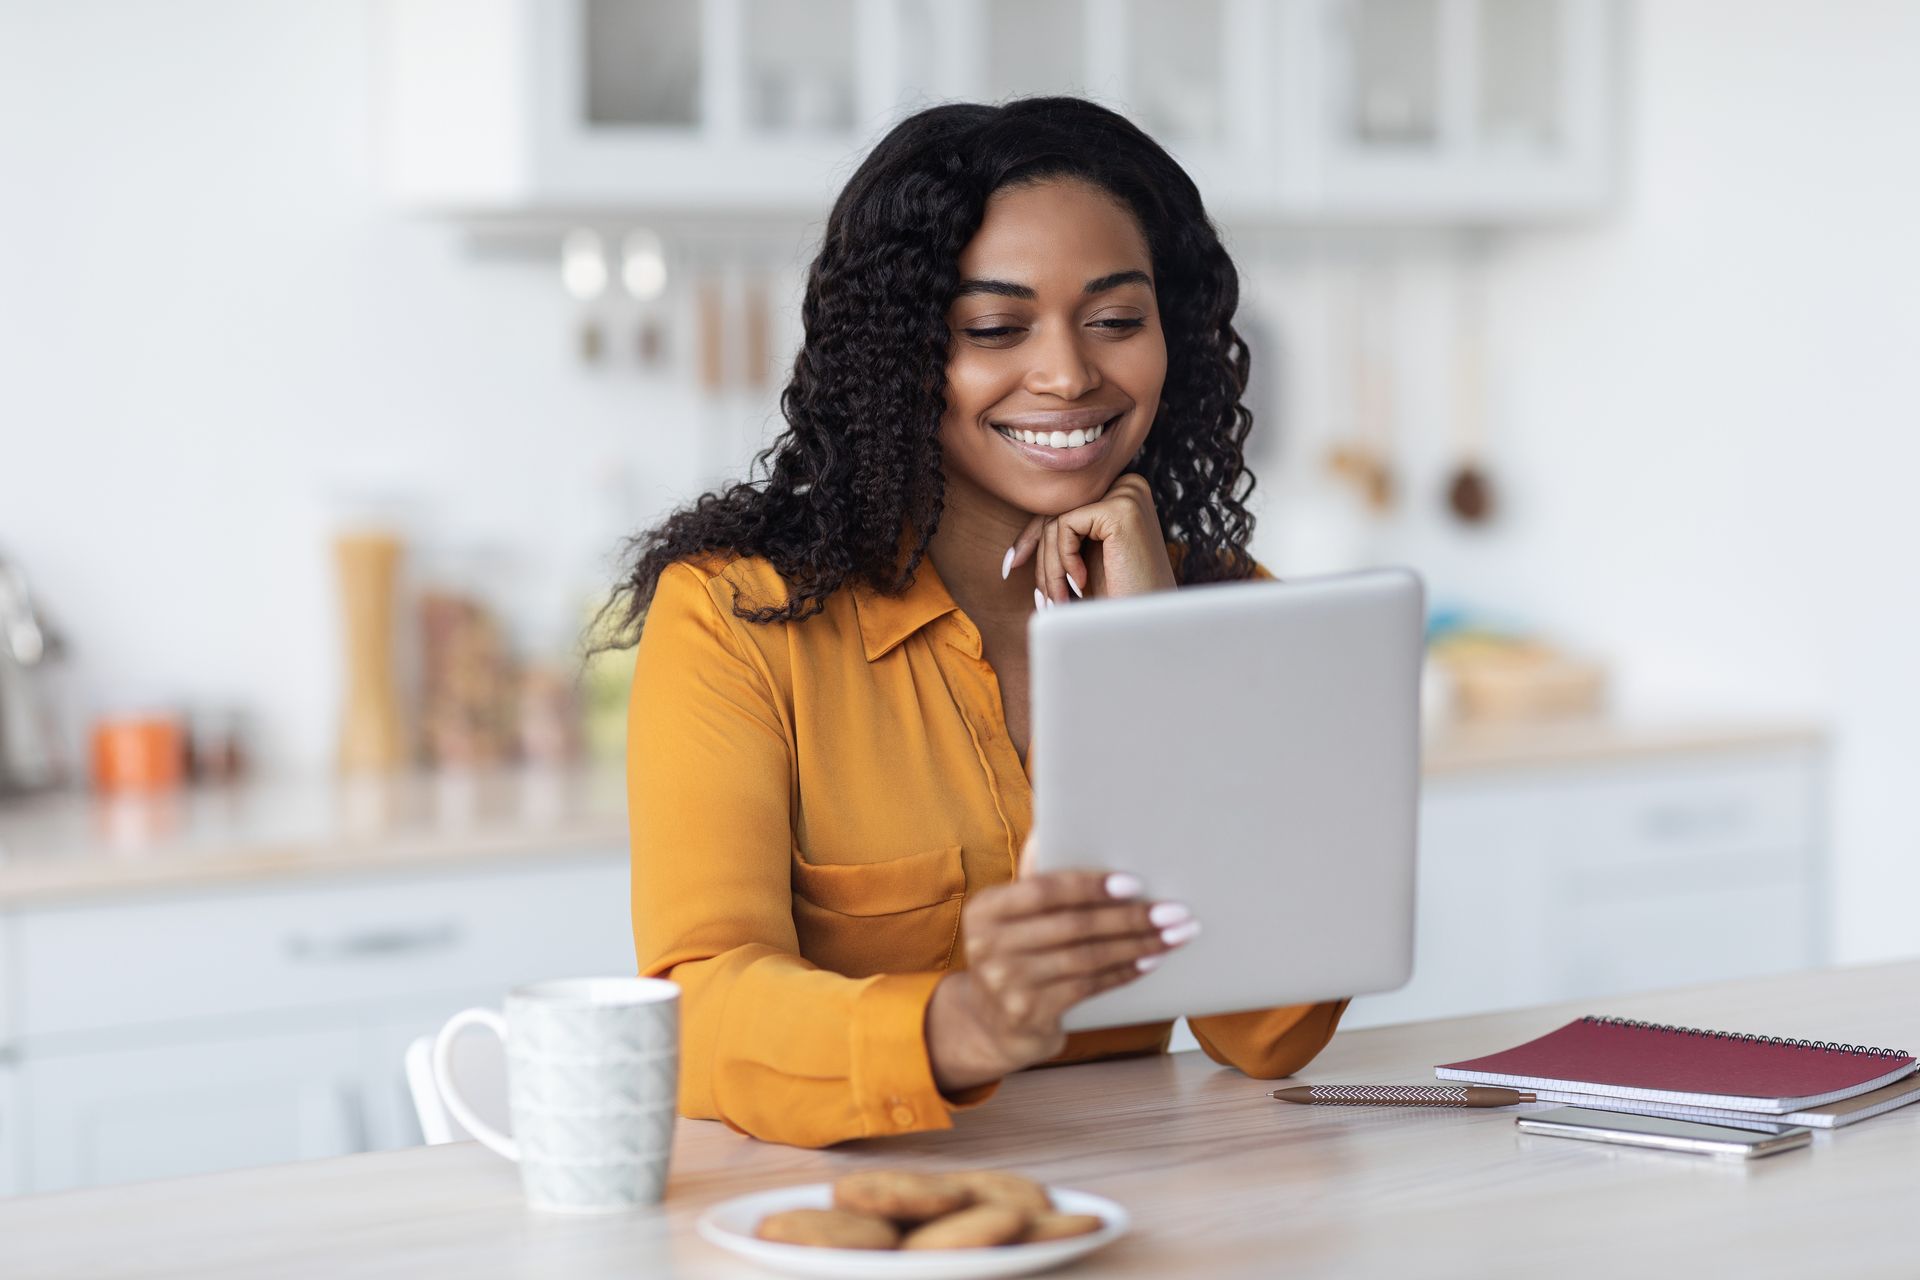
<point x="899" y="1195"/>
<point x="1061" y="1226"/>
<point x="990" y="1186"/>
<point x="828" y="1228"/>
<point x="980" y="1227"/>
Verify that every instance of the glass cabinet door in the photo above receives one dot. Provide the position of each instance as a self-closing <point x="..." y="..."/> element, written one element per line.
<point x="1176" y="73"/>
<point x="1431" y="106"/>
<point x="1519" y="101"/>
<point x="641" y="61"/>
<point x="799" y="74"/>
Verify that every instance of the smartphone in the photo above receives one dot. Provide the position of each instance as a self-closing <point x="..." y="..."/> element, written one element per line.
<point x="1661" y="1133"/>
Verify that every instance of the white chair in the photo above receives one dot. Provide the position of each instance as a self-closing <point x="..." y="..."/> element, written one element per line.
<point x="481" y="1070"/>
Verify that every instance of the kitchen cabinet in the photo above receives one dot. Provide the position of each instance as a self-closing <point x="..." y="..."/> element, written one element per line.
<point x="125" y="1113"/>
<point x="544" y="110"/>
<point x="245" y="1024"/>
<point x="1489" y="110"/>
<point x="1601" y="879"/>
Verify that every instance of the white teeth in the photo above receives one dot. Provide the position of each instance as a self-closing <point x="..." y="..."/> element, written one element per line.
<point x="1058" y="439"/>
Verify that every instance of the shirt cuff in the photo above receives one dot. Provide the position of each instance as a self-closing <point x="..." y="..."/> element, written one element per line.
<point x="893" y="1082"/>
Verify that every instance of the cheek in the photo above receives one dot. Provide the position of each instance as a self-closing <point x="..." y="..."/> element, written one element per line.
<point x="976" y="382"/>
<point x="1140" y="367"/>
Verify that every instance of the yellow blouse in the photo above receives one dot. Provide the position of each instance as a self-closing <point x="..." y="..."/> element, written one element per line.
<point x="810" y="805"/>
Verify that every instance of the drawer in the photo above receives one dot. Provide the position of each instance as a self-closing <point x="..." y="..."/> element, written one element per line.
<point x="1705" y="935"/>
<point x="218" y="954"/>
<point x="1684" y="809"/>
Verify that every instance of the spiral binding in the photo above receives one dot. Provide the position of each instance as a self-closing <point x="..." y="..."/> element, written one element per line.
<point x="1785" y="1042"/>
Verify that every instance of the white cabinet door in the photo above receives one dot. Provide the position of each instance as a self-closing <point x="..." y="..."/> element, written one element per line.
<point x="12" y="1145"/>
<point x="1481" y="940"/>
<point x="161" y="1112"/>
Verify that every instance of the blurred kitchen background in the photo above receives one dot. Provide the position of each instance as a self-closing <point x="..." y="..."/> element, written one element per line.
<point x="341" y="341"/>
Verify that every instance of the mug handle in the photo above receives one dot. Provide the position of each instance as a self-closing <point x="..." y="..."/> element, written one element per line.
<point x="489" y="1137"/>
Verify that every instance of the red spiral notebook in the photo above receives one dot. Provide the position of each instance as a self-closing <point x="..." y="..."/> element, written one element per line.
<point x="1621" y="1058"/>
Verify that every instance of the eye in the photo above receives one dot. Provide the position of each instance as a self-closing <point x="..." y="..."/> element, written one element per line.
<point x="1122" y="322"/>
<point x="998" y="332"/>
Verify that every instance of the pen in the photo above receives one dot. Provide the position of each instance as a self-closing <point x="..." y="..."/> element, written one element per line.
<point x="1403" y="1095"/>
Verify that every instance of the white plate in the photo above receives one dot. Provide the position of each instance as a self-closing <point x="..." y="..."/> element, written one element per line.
<point x="730" y="1225"/>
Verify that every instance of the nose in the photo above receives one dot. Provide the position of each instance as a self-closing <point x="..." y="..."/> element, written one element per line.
<point x="1060" y="365"/>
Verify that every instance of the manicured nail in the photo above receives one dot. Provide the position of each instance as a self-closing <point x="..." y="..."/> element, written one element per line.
<point x="1039" y="601"/>
<point x="1122" y="885"/>
<point x="1168" y="913"/>
<point x="1147" y="964"/>
<point x="1006" y="564"/>
<point x="1076" y="587"/>
<point x="1180" y="933"/>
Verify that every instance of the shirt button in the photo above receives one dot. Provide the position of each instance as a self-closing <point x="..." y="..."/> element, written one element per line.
<point x="903" y="1115"/>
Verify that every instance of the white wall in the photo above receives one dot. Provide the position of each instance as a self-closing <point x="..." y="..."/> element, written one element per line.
<point x="1708" y="406"/>
<point x="1721" y="400"/>
<point x="210" y="326"/>
<point x="211" y="329"/>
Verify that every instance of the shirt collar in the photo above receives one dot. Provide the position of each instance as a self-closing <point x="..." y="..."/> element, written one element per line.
<point x="885" y="621"/>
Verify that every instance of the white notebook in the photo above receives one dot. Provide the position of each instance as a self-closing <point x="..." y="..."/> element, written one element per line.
<point x="1835" y="1115"/>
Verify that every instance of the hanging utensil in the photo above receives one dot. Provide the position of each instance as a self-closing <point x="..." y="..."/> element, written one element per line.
<point x="1364" y="458"/>
<point x="643" y="271"/>
<point x="583" y="273"/>
<point x="1469" y="489"/>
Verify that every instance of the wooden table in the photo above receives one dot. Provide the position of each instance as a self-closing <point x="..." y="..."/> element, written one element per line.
<point x="1221" y="1180"/>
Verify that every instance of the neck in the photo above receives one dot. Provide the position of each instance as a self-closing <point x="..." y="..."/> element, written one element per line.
<point x="975" y="531"/>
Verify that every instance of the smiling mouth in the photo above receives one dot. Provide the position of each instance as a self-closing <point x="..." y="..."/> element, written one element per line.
<point x="1075" y="439"/>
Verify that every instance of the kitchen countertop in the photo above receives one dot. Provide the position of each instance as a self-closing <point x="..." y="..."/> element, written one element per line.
<point x="69" y="846"/>
<point x="1219" y="1179"/>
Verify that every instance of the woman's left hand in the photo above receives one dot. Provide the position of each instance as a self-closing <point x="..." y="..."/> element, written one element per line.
<point x="1112" y="547"/>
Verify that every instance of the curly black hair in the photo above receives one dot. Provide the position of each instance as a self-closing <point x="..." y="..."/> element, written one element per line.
<point x="856" y="476"/>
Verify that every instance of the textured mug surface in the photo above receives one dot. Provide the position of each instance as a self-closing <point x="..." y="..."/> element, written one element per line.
<point x="592" y="1076"/>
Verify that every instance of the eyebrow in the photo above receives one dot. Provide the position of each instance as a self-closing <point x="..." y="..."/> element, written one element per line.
<point x="1008" y="289"/>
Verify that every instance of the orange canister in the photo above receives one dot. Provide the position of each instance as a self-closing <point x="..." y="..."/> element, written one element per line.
<point x="138" y="753"/>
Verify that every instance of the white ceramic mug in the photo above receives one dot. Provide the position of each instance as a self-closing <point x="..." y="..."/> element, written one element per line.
<point x="593" y="1067"/>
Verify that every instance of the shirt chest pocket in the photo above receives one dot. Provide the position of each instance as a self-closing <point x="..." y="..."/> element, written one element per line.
<point x="897" y="916"/>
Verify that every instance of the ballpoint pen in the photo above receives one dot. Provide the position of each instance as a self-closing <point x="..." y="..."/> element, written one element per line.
<point x="1403" y="1095"/>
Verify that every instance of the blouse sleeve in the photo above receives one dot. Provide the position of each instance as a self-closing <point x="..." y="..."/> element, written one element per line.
<point x="770" y="1044"/>
<point x="1269" y="1043"/>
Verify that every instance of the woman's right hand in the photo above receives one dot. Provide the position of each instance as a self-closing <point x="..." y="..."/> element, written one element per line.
<point x="1036" y="947"/>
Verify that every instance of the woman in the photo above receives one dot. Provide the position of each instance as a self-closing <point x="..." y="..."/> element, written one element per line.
<point x="1019" y="377"/>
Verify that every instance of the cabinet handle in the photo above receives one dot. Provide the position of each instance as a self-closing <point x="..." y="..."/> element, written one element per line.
<point x="1684" y="822"/>
<point x="374" y="944"/>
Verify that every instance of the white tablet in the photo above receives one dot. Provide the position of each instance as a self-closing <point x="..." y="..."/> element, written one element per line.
<point x="1251" y="749"/>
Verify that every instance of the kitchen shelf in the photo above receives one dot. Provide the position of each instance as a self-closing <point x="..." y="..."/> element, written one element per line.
<point x="1310" y="111"/>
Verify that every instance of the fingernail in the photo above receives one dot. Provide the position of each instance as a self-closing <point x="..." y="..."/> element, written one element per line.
<point x="1168" y="913"/>
<point x="1039" y="601"/>
<point x="1147" y="964"/>
<point x="1122" y="885"/>
<point x="1006" y="564"/>
<point x="1180" y="933"/>
<point x="1076" y="587"/>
